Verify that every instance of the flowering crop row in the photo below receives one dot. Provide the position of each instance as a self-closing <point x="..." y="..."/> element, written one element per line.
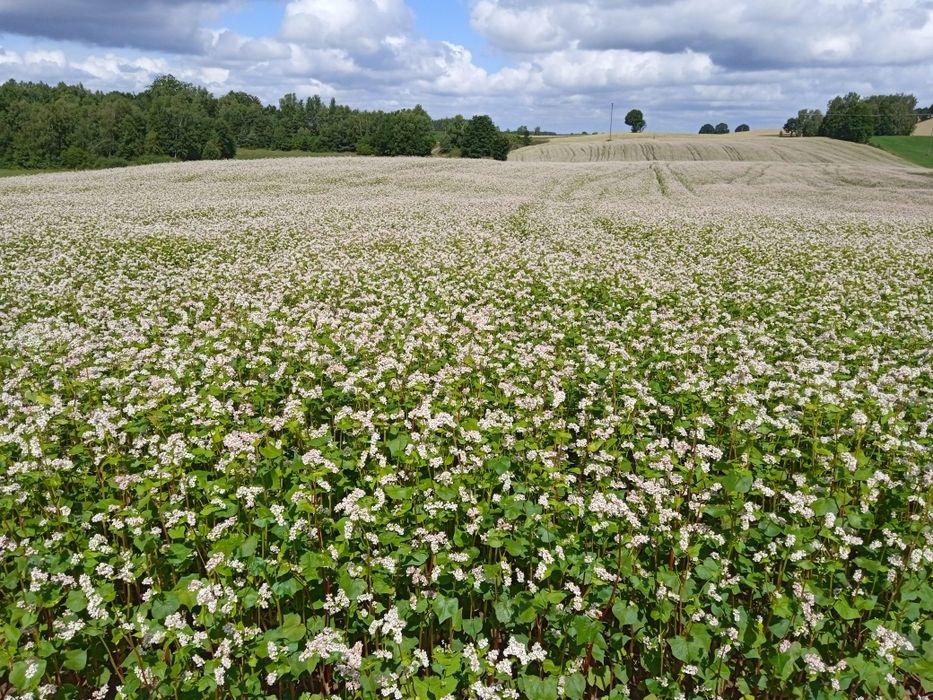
<point x="418" y="429"/>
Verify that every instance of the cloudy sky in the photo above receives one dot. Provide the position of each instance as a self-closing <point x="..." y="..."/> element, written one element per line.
<point x="552" y="63"/>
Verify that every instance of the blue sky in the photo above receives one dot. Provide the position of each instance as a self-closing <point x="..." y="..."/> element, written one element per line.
<point x="259" y="18"/>
<point x="550" y="63"/>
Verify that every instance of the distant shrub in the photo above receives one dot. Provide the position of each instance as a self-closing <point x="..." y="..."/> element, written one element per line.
<point x="742" y="128"/>
<point x="211" y="150"/>
<point x="304" y="140"/>
<point x="75" y="157"/>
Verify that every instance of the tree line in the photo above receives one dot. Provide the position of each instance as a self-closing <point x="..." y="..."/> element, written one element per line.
<point x="854" y="118"/>
<point x="67" y="126"/>
<point x="723" y="128"/>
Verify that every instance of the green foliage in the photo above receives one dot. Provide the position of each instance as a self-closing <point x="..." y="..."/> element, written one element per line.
<point x="524" y="135"/>
<point x="636" y="120"/>
<point x="852" y="118"/>
<point x="211" y="149"/>
<point x="452" y="138"/>
<point x="75" y="157"/>
<point x="742" y="128"/>
<point x="71" y="127"/>
<point x="806" y="123"/>
<point x="304" y="140"/>
<point x="44" y="127"/>
<point x="341" y="128"/>
<point x="249" y="123"/>
<point x="179" y="120"/>
<point x="407" y="132"/>
<point x="481" y="139"/>
<point x="895" y="115"/>
<point x="721" y="128"/>
<point x="849" y="118"/>
<point x="809" y="122"/>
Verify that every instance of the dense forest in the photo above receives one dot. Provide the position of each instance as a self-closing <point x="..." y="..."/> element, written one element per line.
<point x="855" y="118"/>
<point x="69" y="126"/>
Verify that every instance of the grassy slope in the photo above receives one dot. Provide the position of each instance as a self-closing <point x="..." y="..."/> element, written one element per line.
<point x="13" y="172"/>
<point x="256" y="153"/>
<point x="916" y="149"/>
<point x="242" y="154"/>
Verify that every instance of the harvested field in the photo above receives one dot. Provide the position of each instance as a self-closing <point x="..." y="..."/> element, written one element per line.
<point x="924" y="128"/>
<point x="731" y="147"/>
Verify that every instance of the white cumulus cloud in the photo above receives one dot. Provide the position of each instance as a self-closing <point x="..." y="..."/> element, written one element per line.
<point x="735" y="33"/>
<point x="358" y="25"/>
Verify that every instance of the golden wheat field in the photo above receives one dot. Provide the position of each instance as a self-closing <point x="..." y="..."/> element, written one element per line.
<point x="924" y="128"/>
<point x="730" y="147"/>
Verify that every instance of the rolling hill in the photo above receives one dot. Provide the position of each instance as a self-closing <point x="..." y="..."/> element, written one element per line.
<point x="924" y="128"/>
<point x="677" y="148"/>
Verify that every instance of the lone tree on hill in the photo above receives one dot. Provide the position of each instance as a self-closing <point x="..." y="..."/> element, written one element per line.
<point x="636" y="120"/>
<point x="742" y="127"/>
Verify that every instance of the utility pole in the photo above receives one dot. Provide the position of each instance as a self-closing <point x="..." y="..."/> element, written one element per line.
<point x="611" y="108"/>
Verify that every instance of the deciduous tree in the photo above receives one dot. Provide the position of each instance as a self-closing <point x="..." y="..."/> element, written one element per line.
<point x="849" y="118"/>
<point x="636" y="121"/>
<point x="481" y="139"/>
<point x="894" y="114"/>
<point x="524" y="135"/>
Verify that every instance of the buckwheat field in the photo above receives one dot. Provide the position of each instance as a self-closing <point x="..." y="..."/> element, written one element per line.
<point x="360" y="428"/>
